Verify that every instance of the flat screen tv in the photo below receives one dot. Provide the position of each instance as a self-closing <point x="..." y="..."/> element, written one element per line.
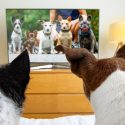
<point x="40" y="30"/>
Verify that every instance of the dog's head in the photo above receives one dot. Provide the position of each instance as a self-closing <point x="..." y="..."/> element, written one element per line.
<point x="64" y="25"/>
<point x="92" y="71"/>
<point x="47" y="27"/>
<point x="79" y="58"/>
<point x="31" y="35"/>
<point x="81" y="61"/>
<point x="17" y="23"/>
<point x="14" y="79"/>
<point x="84" y="22"/>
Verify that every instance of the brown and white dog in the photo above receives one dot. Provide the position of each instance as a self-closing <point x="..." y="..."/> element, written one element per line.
<point x="65" y="35"/>
<point x="104" y="83"/>
<point x="31" y="44"/>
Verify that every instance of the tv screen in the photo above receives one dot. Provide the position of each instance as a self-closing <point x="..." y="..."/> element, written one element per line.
<point x="40" y="30"/>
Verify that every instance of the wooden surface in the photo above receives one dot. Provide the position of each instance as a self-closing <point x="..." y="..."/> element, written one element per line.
<point x="55" y="93"/>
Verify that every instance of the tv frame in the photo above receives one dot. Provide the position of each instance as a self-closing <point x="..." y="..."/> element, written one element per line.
<point x="47" y="58"/>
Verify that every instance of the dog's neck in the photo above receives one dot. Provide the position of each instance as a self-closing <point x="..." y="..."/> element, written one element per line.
<point x="19" y="33"/>
<point x="108" y="100"/>
<point x="65" y="31"/>
<point x="9" y="112"/>
<point x="46" y="34"/>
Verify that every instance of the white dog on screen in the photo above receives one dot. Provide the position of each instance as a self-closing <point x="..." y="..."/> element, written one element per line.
<point x="46" y="38"/>
<point x="16" y="36"/>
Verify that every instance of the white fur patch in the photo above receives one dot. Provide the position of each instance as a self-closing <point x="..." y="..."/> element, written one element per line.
<point x="108" y="100"/>
<point x="9" y="113"/>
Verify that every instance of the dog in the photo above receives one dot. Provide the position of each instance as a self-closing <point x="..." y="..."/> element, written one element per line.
<point x="103" y="81"/>
<point x="86" y="37"/>
<point x="31" y="44"/>
<point x="65" y="35"/>
<point x="13" y="82"/>
<point x="45" y="37"/>
<point x="16" y="36"/>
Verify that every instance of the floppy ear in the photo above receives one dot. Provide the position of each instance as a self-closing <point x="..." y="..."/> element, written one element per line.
<point x="121" y="52"/>
<point x="19" y="70"/>
<point x="80" y="18"/>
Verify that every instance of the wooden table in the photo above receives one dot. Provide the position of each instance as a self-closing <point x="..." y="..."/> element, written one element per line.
<point x="54" y="93"/>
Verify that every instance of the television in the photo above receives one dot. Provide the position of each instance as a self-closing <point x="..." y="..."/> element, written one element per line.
<point x="38" y="31"/>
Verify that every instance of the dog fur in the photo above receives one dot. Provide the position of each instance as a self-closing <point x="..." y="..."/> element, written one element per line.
<point x="46" y="41"/>
<point x="65" y="35"/>
<point x="13" y="82"/>
<point x="86" y="37"/>
<point x="103" y="81"/>
<point x="31" y="43"/>
<point x="16" y="36"/>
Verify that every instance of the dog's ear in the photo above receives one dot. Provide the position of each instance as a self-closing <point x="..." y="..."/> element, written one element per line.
<point x="60" y="18"/>
<point x="121" y="52"/>
<point x="89" y="17"/>
<point x="69" y="18"/>
<point x="27" y="34"/>
<point x="13" y="18"/>
<point x="19" y="70"/>
<point x="42" y="22"/>
<point x="35" y="33"/>
<point x="80" y="17"/>
<point x="73" y="54"/>
<point x="22" y="19"/>
<point x="60" y="48"/>
<point x="15" y="77"/>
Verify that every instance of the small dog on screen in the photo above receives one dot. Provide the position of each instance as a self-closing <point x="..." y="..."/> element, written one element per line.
<point x="31" y="43"/>
<point x="65" y="35"/>
<point x="13" y="82"/>
<point x="46" y="41"/>
<point x="104" y="83"/>
<point x="16" y="36"/>
<point x="86" y="37"/>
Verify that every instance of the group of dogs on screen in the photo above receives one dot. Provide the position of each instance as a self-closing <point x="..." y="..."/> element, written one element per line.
<point x="45" y="40"/>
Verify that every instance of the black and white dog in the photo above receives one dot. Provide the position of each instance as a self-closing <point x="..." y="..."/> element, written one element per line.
<point x="16" y="36"/>
<point x="86" y="36"/>
<point x="13" y="81"/>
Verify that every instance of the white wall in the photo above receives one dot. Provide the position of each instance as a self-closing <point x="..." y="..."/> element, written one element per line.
<point x="110" y="11"/>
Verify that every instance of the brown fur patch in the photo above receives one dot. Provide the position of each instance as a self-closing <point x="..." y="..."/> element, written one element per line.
<point x="121" y="52"/>
<point x="93" y="72"/>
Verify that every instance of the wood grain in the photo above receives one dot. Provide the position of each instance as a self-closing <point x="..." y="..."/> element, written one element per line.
<point x="55" y="83"/>
<point x="57" y="103"/>
<point x="55" y="93"/>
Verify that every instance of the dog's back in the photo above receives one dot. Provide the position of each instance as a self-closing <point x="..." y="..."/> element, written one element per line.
<point x="108" y="100"/>
<point x="13" y="81"/>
